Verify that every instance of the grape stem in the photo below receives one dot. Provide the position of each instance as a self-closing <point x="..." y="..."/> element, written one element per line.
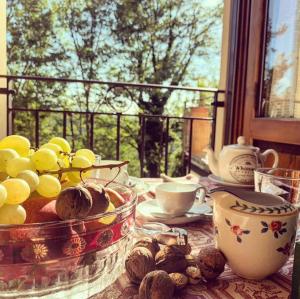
<point x="81" y="170"/>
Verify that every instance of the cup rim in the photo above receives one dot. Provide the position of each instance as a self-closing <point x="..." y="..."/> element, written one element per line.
<point x="263" y="169"/>
<point x="159" y="187"/>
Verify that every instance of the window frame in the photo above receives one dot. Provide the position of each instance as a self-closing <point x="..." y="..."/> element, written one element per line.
<point x="281" y="130"/>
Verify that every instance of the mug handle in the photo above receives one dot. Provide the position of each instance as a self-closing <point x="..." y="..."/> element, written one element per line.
<point x="270" y="152"/>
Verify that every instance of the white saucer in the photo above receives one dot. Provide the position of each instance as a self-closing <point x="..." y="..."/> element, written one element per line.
<point x="218" y="180"/>
<point x="150" y="211"/>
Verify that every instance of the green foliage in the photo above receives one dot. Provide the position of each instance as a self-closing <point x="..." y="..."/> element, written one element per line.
<point x="135" y="41"/>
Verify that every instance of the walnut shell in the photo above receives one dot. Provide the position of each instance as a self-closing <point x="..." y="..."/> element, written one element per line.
<point x="211" y="262"/>
<point x="148" y="243"/>
<point x="179" y="280"/>
<point x="194" y="274"/>
<point x="138" y="263"/>
<point x="99" y="196"/>
<point x="156" y="285"/>
<point x="170" y="260"/>
<point x="185" y="249"/>
<point x="191" y="260"/>
<point x="73" y="203"/>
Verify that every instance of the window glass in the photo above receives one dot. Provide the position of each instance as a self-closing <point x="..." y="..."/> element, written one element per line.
<point x="281" y="88"/>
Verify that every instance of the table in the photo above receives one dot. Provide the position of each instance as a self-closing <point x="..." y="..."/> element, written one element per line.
<point x="228" y="285"/>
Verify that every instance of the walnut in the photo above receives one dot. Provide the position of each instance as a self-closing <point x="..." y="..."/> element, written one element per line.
<point x="138" y="263"/>
<point x="156" y="285"/>
<point x="170" y="259"/>
<point x="99" y="196"/>
<point x="191" y="260"/>
<point x="185" y="249"/>
<point x="148" y="243"/>
<point x="179" y="280"/>
<point x="194" y="274"/>
<point x="73" y="203"/>
<point x="211" y="262"/>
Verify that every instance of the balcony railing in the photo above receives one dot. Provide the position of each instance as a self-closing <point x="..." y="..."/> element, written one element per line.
<point x="67" y="115"/>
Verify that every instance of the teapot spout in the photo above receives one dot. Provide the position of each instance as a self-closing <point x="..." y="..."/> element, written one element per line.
<point x="212" y="161"/>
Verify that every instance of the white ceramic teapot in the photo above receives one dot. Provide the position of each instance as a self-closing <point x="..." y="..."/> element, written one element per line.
<point x="255" y="231"/>
<point x="237" y="162"/>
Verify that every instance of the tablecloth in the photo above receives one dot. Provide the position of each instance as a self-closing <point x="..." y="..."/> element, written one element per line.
<point x="228" y="285"/>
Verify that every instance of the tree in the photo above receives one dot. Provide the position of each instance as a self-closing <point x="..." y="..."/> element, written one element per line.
<point x="159" y="40"/>
<point x="33" y="52"/>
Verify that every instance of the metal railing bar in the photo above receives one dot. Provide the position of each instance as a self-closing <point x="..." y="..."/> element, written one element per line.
<point x="111" y="113"/>
<point x="37" y="128"/>
<point x="91" y="131"/>
<point x="190" y="145"/>
<point x="167" y="145"/>
<point x="118" y="136"/>
<point x="142" y="144"/>
<point x="112" y="83"/>
<point x="65" y="124"/>
<point x="213" y="125"/>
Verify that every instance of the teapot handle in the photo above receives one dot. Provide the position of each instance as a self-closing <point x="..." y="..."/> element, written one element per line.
<point x="270" y="152"/>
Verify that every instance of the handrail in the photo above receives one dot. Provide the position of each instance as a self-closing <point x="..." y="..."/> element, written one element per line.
<point x="142" y="116"/>
<point x="112" y="83"/>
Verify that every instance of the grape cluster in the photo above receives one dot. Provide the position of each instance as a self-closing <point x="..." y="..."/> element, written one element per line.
<point x="25" y="171"/>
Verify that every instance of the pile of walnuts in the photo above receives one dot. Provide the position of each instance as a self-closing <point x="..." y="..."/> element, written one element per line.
<point x="162" y="270"/>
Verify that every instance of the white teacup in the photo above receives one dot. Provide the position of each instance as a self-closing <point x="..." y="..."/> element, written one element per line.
<point x="175" y="199"/>
<point x="112" y="173"/>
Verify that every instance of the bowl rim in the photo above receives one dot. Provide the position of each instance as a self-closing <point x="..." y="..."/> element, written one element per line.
<point x="124" y="208"/>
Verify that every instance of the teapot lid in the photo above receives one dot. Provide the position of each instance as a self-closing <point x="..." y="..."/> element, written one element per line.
<point x="241" y="144"/>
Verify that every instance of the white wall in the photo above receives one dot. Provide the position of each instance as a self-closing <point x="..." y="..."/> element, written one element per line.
<point x="220" y="125"/>
<point x="2" y="66"/>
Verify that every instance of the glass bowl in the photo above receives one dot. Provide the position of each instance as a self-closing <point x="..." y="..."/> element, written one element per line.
<point x="67" y="259"/>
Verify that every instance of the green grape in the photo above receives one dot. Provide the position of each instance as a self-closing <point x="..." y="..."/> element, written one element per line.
<point x="6" y="155"/>
<point x="17" y="191"/>
<point x="54" y="147"/>
<point x="3" y="195"/>
<point x="30" y="177"/>
<point x="63" y="143"/>
<point x="19" y="143"/>
<point x="44" y="159"/>
<point x="16" y="165"/>
<point x="12" y="214"/>
<point x="49" y="186"/>
<point x="79" y="162"/>
<point x="87" y="154"/>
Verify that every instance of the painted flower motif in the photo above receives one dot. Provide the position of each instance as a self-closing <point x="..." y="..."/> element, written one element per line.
<point x="1" y="255"/>
<point x="105" y="238"/>
<point x="237" y="230"/>
<point x="124" y="228"/>
<point x="277" y="227"/>
<point x="286" y="249"/>
<point x="74" y="246"/>
<point x="34" y="252"/>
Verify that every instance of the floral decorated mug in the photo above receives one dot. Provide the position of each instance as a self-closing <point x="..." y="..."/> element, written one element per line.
<point x="255" y="231"/>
